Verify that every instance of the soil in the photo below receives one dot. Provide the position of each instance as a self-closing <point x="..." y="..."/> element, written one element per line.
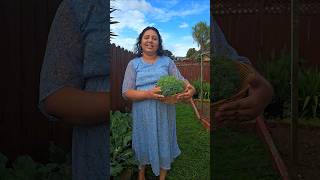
<point x="308" y="161"/>
<point x="203" y="110"/>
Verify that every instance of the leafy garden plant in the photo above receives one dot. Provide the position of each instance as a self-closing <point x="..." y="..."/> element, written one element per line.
<point x="225" y="78"/>
<point x="121" y="143"/>
<point x="309" y="92"/>
<point x="205" y="89"/>
<point x="24" y="168"/>
<point x="170" y="85"/>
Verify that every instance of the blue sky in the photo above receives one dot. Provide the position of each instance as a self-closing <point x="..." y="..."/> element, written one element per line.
<point x="173" y="18"/>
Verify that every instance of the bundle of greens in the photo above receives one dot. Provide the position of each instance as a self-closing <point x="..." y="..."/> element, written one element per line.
<point x="170" y="85"/>
<point x="225" y="78"/>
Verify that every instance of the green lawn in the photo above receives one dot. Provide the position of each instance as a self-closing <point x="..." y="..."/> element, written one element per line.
<point x="241" y="156"/>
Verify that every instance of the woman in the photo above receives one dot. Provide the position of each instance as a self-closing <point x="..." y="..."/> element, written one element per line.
<point x="74" y="83"/>
<point x="154" y="138"/>
<point x="260" y="90"/>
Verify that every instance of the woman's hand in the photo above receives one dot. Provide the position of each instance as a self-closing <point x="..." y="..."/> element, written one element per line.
<point x="187" y="93"/>
<point x="154" y="93"/>
<point x="250" y="107"/>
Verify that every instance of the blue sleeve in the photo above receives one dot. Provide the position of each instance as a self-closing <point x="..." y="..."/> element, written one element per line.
<point x="62" y="64"/>
<point x="174" y="71"/>
<point x="221" y="47"/>
<point x="129" y="80"/>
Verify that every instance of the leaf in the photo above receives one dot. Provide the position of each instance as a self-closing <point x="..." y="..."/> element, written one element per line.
<point x="116" y="169"/>
<point x="306" y="102"/>
<point x="3" y="160"/>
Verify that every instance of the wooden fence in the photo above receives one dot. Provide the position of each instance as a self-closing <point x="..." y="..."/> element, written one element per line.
<point x="23" y="129"/>
<point x="192" y="70"/>
<point x="119" y="60"/>
<point x="261" y="30"/>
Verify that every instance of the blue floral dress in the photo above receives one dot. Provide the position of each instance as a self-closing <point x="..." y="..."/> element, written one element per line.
<point x="77" y="56"/>
<point x="154" y="138"/>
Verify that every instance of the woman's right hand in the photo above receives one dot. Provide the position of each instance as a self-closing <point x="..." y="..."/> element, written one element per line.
<point x="154" y="93"/>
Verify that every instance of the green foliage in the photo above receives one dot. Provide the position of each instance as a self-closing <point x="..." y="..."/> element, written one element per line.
<point x="112" y="34"/>
<point x="225" y="78"/>
<point x="309" y="93"/>
<point x="201" y="34"/>
<point x="277" y="72"/>
<point x="170" y="85"/>
<point x="192" y="52"/>
<point x="169" y="54"/>
<point x="205" y="89"/>
<point x="24" y="168"/>
<point x="240" y="155"/>
<point x="121" y="140"/>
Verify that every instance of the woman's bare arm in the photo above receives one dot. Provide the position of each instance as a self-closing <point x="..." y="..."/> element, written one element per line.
<point x="79" y="107"/>
<point x="138" y="95"/>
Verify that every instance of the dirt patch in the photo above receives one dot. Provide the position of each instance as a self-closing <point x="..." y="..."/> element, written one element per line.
<point x="204" y="109"/>
<point x="308" y="165"/>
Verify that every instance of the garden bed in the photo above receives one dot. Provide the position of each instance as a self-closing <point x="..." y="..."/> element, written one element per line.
<point x="308" y="166"/>
<point x="204" y="112"/>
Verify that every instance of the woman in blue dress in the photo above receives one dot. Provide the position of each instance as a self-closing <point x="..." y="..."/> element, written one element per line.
<point x="154" y="137"/>
<point x="74" y="83"/>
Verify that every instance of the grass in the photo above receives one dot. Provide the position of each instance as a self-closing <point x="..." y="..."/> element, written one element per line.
<point x="241" y="156"/>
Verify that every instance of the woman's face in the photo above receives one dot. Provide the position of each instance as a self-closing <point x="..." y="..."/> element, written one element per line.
<point x="150" y="42"/>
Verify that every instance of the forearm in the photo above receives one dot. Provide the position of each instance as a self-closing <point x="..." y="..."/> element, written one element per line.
<point x="265" y="91"/>
<point x="79" y="107"/>
<point x="136" y="95"/>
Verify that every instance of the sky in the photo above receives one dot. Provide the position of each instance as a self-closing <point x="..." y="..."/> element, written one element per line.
<point x="173" y="18"/>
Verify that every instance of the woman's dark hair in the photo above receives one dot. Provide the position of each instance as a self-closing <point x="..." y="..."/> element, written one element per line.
<point x="138" y="49"/>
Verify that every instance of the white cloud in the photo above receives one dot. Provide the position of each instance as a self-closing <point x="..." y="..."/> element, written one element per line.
<point x="125" y="42"/>
<point x="183" y="25"/>
<point x="181" y="49"/>
<point x="181" y="46"/>
<point x="136" y="14"/>
<point x="164" y="15"/>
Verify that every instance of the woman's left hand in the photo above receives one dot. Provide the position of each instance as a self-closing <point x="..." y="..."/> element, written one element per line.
<point x="248" y="108"/>
<point x="187" y="93"/>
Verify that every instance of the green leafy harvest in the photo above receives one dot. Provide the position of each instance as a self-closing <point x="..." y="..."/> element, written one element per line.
<point x="170" y="85"/>
<point x="225" y="78"/>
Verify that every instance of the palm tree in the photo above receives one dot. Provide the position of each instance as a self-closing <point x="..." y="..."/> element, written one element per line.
<point x="112" y="21"/>
<point x="201" y="34"/>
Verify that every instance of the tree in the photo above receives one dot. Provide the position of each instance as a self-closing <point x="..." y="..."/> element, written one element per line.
<point x="201" y="34"/>
<point x="193" y="54"/>
<point x="169" y="54"/>
<point x="112" y="21"/>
